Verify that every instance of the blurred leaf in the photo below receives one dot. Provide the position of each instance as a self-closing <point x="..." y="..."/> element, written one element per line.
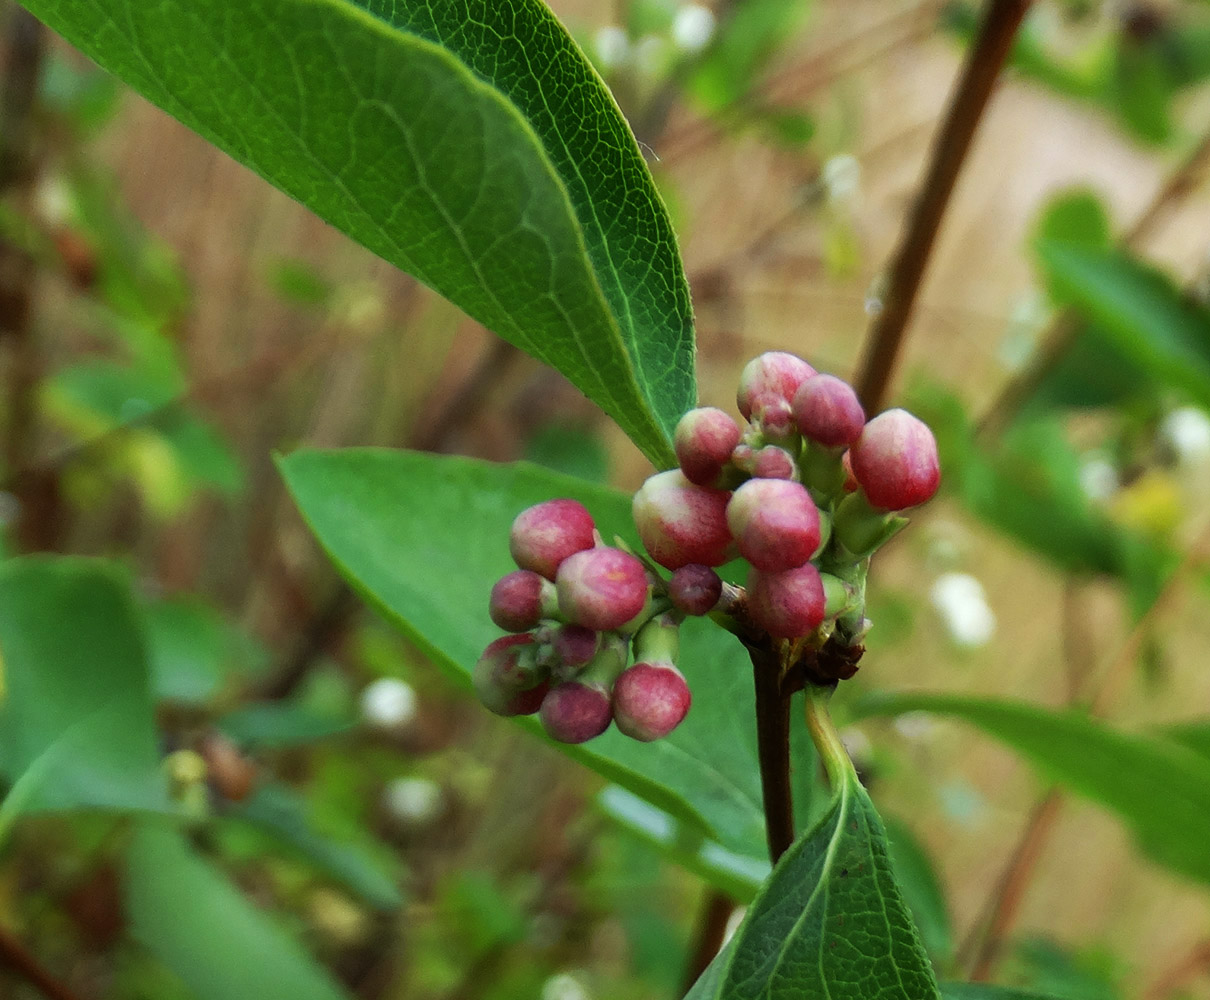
<point x="1195" y="735"/>
<point x="1141" y="89"/>
<point x="351" y="857"/>
<point x="1044" y="966"/>
<point x="921" y="888"/>
<point x="77" y="703"/>
<point x="829" y="922"/>
<point x="985" y="991"/>
<point x="1160" y="789"/>
<point x="425" y="537"/>
<point x="786" y="127"/>
<point x="281" y="724"/>
<point x="574" y="451"/>
<point x="299" y="283"/>
<point x="191" y="647"/>
<point x="78" y="90"/>
<point x="1137" y="309"/>
<point x="204" y="456"/>
<point x="194" y="921"/>
<point x="98" y="396"/>
<point x="490" y="162"/>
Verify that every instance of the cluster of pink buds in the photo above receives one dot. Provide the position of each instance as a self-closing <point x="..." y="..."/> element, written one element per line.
<point x="577" y="608"/>
<point x="804" y="492"/>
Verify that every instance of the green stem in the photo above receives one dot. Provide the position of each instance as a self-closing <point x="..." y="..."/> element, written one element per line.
<point x="824" y="735"/>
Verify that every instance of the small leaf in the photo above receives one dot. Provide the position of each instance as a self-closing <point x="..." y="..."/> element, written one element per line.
<point x="1160" y="789"/>
<point x="78" y="703"/>
<point x="469" y="143"/>
<point x="276" y="725"/>
<point x="195" y="922"/>
<point x="829" y="922"/>
<point x="192" y="649"/>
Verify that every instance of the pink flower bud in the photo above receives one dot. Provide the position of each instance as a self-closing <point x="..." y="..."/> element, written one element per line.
<point x="695" y="589"/>
<point x="520" y="600"/>
<point x="704" y="440"/>
<point x="574" y="712"/>
<point x="575" y="645"/>
<point x="827" y="411"/>
<point x="507" y="679"/>
<point x="601" y="588"/>
<point x="544" y="535"/>
<point x="681" y="523"/>
<point x="772" y="374"/>
<point x="775" y="522"/>
<point x="787" y="605"/>
<point x="650" y="700"/>
<point x="772" y="462"/>
<point x="895" y="461"/>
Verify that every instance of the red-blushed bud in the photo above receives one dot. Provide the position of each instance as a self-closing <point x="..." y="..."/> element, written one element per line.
<point x="520" y="600"/>
<point x="574" y="712"/>
<point x="544" y="535"/>
<point x="704" y="440"/>
<point x="695" y="589"/>
<point x="650" y="700"/>
<point x="772" y="462"/>
<point x="507" y="678"/>
<point x="787" y="605"/>
<point x="575" y="645"/>
<point x="775" y="522"/>
<point x="827" y="411"/>
<point x="681" y="523"/>
<point x="601" y="588"/>
<point x="774" y="373"/>
<point x="895" y="461"/>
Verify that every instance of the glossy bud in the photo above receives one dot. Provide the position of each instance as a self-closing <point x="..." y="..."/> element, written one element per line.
<point x="695" y="589"/>
<point x="601" y="588"/>
<point x="507" y="679"/>
<point x="895" y="461"/>
<point x="775" y="522"/>
<point x="828" y="412"/>
<point x="704" y="440"/>
<point x="681" y="523"/>
<point x="787" y="605"/>
<point x="650" y="700"/>
<point x="772" y="374"/>
<point x="520" y="600"/>
<point x="575" y="712"/>
<point x="546" y="534"/>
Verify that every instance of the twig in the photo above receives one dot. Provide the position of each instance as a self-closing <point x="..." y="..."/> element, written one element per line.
<point x="1062" y="331"/>
<point x="15" y="956"/>
<point x="1195" y="962"/>
<point x="773" y="750"/>
<point x="983" y="63"/>
<point x="708" y="935"/>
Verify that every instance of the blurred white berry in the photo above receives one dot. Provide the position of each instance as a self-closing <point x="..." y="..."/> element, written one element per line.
<point x="10" y="508"/>
<point x="1187" y="432"/>
<point x="962" y="604"/>
<point x="692" y="28"/>
<point x="564" y="986"/>
<point x="53" y="200"/>
<point x="841" y="177"/>
<point x="412" y="800"/>
<point x="388" y="703"/>
<point x="1098" y="478"/>
<point x="651" y="55"/>
<point x="612" y="46"/>
<point x="915" y="726"/>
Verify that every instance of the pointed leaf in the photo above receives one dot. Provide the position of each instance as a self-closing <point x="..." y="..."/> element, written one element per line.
<point x="468" y="142"/>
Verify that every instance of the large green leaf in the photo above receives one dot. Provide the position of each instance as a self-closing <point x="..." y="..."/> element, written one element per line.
<point x="195" y="922"/>
<point x="425" y="537"/>
<point x="77" y="716"/>
<point x="1159" y="788"/>
<point x="468" y="142"/>
<point x="829" y="922"/>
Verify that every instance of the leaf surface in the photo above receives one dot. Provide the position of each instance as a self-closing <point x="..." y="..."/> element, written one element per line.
<point x="467" y="142"/>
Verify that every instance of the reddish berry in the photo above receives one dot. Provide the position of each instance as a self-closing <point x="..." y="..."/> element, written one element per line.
<point x="681" y="523"/>
<point x="695" y="589"/>
<point x="787" y="605"/>
<point x="772" y="462"/>
<point x="519" y="600"/>
<point x="575" y="645"/>
<point x="507" y="678"/>
<point x="895" y="461"/>
<point x="546" y="534"/>
<point x="827" y="411"/>
<point x="704" y="440"/>
<point x="775" y="522"/>
<point x="768" y="376"/>
<point x="601" y="588"/>
<point x="650" y="700"/>
<point x="574" y="712"/>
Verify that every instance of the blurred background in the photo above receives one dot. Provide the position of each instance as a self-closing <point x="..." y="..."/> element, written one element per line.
<point x="170" y="322"/>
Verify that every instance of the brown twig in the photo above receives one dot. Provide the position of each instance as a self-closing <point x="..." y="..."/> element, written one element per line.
<point x="708" y="935"/>
<point x="773" y="749"/>
<point x="1193" y="963"/>
<point x="983" y="63"/>
<point x="16" y="957"/>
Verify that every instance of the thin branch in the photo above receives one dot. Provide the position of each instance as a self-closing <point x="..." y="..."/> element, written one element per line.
<point x="708" y="935"/>
<point x="983" y="63"/>
<point x="773" y="750"/>
<point x="16" y="957"/>
<point x="1192" y="964"/>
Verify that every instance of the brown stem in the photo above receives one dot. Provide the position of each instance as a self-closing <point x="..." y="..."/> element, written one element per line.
<point x="708" y="935"/>
<point x="983" y="63"/>
<point x="1190" y="965"/>
<point x="1062" y="331"/>
<point x="773" y="750"/>
<point x="16" y="957"/>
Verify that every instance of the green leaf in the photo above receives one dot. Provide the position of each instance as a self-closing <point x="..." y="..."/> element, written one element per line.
<point x="77" y="707"/>
<point x="1139" y="312"/>
<point x="829" y="922"/>
<point x="921" y="888"/>
<point x="356" y="861"/>
<point x="1194" y="734"/>
<point x="469" y="143"/>
<point x="195" y="922"/>
<point x="276" y="725"/>
<point x="985" y="991"/>
<point x="425" y="537"/>
<point x="192" y="649"/>
<point x="1160" y="789"/>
